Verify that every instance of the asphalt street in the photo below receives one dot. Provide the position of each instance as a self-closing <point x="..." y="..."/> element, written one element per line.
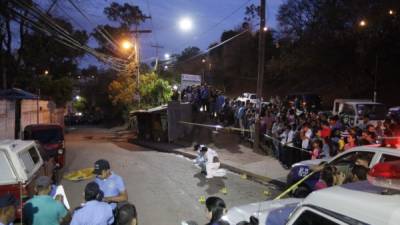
<point x="164" y="187"/>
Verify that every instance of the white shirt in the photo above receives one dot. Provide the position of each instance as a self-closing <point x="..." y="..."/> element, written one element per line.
<point x="306" y="141"/>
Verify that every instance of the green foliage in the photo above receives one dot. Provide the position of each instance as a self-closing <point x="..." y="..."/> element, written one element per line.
<point x="58" y="90"/>
<point x="152" y="89"/>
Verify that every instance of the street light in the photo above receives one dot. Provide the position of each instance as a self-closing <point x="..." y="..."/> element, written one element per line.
<point x="363" y="23"/>
<point x="167" y="56"/>
<point x="185" y="24"/>
<point x="78" y="97"/>
<point x="46" y="72"/>
<point x="265" y="29"/>
<point x="165" y="67"/>
<point x="391" y="12"/>
<point x="126" y="45"/>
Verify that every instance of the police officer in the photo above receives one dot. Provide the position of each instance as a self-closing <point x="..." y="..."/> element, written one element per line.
<point x="110" y="183"/>
<point x="8" y="205"/>
<point x="94" y="211"/>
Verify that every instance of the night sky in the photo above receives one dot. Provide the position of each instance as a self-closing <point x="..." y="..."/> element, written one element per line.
<point x="165" y="16"/>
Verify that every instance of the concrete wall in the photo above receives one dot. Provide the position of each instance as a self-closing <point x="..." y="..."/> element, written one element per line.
<point x="29" y="110"/>
<point x="7" y="119"/>
<point x="48" y="113"/>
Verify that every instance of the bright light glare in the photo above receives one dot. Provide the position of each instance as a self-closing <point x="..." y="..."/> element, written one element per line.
<point x="165" y="67"/>
<point x="126" y="44"/>
<point x="391" y="12"/>
<point x="77" y="97"/>
<point x="363" y="23"/>
<point x="185" y="24"/>
<point x="166" y="56"/>
<point x="46" y="72"/>
<point x="175" y="87"/>
<point x="265" y="28"/>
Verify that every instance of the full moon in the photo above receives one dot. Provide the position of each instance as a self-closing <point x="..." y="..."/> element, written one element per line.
<point x="185" y="24"/>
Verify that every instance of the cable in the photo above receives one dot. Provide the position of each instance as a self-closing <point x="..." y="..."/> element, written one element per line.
<point x="62" y="37"/>
<point x="216" y="46"/>
<point x="105" y="35"/>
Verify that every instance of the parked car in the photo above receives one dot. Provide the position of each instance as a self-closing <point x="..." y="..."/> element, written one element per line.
<point x="252" y="97"/>
<point x="351" y="111"/>
<point x="372" y="202"/>
<point x="21" y="162"/>
<point x="51" y="138"/>
<point x="343" y="162"/>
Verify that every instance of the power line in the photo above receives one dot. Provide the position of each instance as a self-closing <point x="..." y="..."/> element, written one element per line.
<point x="216" y="46"/>
<point x="61" y="35"/>
<point x="105" y="35"/>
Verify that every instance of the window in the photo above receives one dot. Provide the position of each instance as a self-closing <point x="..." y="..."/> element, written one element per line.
<point x="311" y="218"/>
<point x="374" y="111"/>
<point x="29" y="159"/>
<point x="348" y="110"/>
<point x="6" y="174"/>
<point x="345" y="163"/>
<point x="389" y="158"/>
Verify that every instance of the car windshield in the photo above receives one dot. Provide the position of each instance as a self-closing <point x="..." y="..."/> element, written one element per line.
<point x="374" y="111"/>
<point x="47" y="136"/>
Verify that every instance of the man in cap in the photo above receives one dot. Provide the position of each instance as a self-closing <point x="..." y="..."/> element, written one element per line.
<point x="110" y="184"/>
<point x="94" y="211"/>
<point x="42" y="208"/>
<point x="8" y="205"/>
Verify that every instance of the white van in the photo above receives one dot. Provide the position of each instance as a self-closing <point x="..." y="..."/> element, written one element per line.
<point x="351" y="111"/>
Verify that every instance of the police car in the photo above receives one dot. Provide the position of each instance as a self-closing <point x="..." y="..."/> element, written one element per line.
<point x="343" y="162"/>
<point x="373" y="202"/>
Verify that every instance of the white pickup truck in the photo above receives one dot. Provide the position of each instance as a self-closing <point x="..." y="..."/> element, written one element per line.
<point x="20" y="163"/>
<point x="252" y="97"/>
<point x="351" y="111"/>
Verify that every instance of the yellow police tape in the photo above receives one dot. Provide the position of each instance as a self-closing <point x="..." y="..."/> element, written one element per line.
<point x="82" y="174"/>
<point x="294" y="186"/>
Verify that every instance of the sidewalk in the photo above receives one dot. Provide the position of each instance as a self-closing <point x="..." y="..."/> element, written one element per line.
<point x="237" y="158"/>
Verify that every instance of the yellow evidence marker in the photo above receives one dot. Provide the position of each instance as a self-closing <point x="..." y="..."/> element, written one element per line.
<point x="224" y="191"/>
<point x="202" y="199"/>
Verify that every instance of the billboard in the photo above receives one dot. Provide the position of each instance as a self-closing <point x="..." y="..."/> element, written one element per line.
<point x="189" y="80"/>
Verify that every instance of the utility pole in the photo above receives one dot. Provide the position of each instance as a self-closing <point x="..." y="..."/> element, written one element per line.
<point x="260" y="78"/>
<point x="157" y="46"/>
<point x="137" y="58"/>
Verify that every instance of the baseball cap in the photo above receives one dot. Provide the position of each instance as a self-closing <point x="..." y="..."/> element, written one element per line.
<point x="101" y="165"/>
<point x="43" y="182"/>
<point x="8" y="200"/>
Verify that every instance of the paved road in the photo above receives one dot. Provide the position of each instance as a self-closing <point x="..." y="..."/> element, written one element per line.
<point x="164" y="187"/>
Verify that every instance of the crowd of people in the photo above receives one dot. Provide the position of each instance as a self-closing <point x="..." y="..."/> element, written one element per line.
<point x="293" y="130"/>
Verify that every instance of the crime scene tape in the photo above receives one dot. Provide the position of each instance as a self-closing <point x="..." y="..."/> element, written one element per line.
<point x="217" y="127"/>
<point x="294" y="186"/>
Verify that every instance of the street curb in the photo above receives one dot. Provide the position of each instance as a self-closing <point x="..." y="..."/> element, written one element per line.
<point x="250" y="175"/>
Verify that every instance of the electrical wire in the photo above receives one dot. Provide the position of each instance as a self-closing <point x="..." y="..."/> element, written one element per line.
<point x="63" y="36"/>
<point x="216" y="46"/>
<point x="100" y="29"/>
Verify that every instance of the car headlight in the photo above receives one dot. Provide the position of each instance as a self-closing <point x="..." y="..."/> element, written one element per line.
<point x="60" y="151"/>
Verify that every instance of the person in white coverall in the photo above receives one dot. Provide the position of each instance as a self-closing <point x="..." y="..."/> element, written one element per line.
<point x="212" y="162"/>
